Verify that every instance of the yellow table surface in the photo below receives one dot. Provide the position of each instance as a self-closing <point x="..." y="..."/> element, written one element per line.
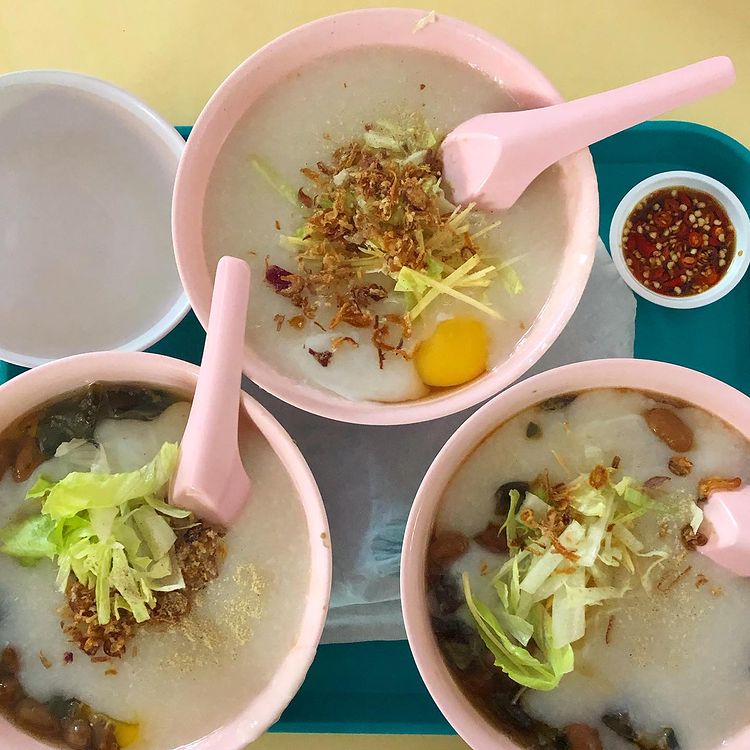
<point x="173" y="54"/>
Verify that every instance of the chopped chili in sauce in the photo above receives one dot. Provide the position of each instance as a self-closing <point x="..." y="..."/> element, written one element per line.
<point x="678" y="241"/>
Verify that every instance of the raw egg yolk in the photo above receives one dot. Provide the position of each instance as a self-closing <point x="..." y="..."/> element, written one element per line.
<point x="126" y="734"/>
<point x="455" y="353"/>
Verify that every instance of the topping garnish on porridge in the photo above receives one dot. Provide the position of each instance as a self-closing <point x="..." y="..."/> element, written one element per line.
<point x="73" y="722"/>
<point x="571" y="547"/>
<point x="124" y="556"/>
<point x="117" y="608"/>
<point x="565" y="603"/>
<point x="378" y="231"/>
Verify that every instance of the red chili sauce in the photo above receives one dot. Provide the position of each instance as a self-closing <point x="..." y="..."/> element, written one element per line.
<point x="678" y="241"/>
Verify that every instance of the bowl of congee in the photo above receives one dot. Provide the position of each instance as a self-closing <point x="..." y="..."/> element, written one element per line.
<point x="553" y="587"/>
<point x="376" y="299"/>
<point x="128" y="622"/>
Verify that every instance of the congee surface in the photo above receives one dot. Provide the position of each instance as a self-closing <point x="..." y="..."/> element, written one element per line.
<point x="663" y="642"/>
<point x="395" y="104"/>
<point x="213" y="659"/>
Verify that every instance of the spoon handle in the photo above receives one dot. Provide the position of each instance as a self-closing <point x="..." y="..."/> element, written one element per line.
<point x="221" y="367"/>
<point x="491" y="159"/>
<point x="575" y="125"/>
<point x="210" y="471"/>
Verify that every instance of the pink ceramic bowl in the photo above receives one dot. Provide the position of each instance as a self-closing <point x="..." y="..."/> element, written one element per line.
<point x="710" y="394"/>
<point x="50" y="381"/>
<point x="268" y="68"/>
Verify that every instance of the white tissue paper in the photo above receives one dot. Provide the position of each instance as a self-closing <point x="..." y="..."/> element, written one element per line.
<point x="368" y="485"/>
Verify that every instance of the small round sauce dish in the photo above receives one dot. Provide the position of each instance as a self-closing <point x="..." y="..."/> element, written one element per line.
<point x="680" y="239"/>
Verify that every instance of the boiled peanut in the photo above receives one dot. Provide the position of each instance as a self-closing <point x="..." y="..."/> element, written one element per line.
<point x="10" y="690"/>
<point x="446" y="547"/>
<point x="491" y="539"/>
<point x="669" y="428"/>
<point x="583" y="737"/>
<point x="27" y="459"/>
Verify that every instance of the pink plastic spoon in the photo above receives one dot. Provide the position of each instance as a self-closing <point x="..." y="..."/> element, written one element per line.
<point x="728" y="520"/>
<point x="210" y="479"/>
<point x="491" y="159"/>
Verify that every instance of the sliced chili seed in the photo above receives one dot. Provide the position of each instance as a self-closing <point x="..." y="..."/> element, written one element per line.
<point x="678" y="241"/>
<point x="663" y="219"/>
<point x="657" y="273"/>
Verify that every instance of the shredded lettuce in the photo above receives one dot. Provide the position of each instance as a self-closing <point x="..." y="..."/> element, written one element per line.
<point x="375" y="139"/>
<point x="440" y="265"/>
<point x="514" y="658"/>
<point x="28" y="540"/>
<point x="85" y="490"/>
<point x="275" y="180"/>
<point x="696" y="517"/>
<point x="511" y="280"/>
<point x="411" y="137"/>
<point x="549" y="581"/>
<point x="435" y="268"/>
<point x="155" y="532"/>
<point x="84" y="455"/>
<point x="165" y="508"/>
<point x="109" y="530"/>
<point x="510" y="523"/>
<point x="439" y="279"/>
<point x="416" y="282"/>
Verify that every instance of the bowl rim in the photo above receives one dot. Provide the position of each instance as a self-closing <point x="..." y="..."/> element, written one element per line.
<point x="707" y="184"/>
<point x="702" y="390"/>
<point x="40" y="385"/>
<point x="162" y="135"/>
<point x="392" y="27"/>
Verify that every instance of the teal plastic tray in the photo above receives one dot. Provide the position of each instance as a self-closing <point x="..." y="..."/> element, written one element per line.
<point x="375" y="687"/>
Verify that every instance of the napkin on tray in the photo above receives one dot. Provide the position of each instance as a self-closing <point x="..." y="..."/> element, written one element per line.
<point x="368" y="487"/>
